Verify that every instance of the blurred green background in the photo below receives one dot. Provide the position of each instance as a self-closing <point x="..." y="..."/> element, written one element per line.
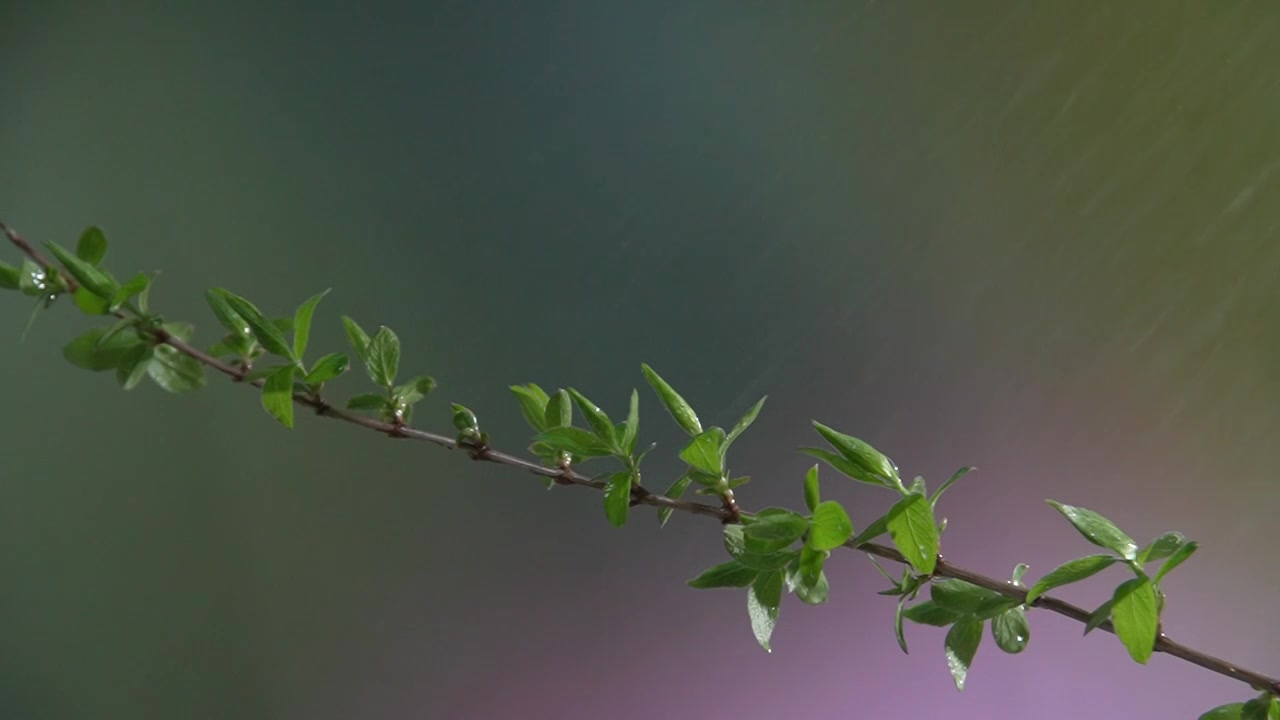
<point x="1036" y="238"/>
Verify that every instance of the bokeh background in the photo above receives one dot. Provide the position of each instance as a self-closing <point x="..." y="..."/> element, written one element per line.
<point x="1039" y="238"/>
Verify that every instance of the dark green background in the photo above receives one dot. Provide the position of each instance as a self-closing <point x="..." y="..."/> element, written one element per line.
<point x="1036" y="238"/>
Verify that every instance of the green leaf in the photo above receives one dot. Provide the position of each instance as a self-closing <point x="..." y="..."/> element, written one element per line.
<point x="327" y="368"/>
<point x="1180" y="555"/>
<point x="1255" y="709"/>
<point x="962" y="643"/>
<point x="933" y="502"/>
<point x="33" y="279"/>
<point x="10" y="276"/>
<point x="703" y="452"/>
<point x="465" y="420"/>
<point x="1098" y="530"/>
<point x="181" y="330"/>
<point x="367" y="401"/>
<point x="897" y="624"/>
<point x="774" y="531"/>
<point x="680" y="410"/>
<point x="617" y="498"/>
<point x="930" y="613"/>
<point x="1101" y="614"/>
<point x="845" y="467"/>
<point x="632" y="426"/>
<point x="134" y="366"/>
<point x="831" y="526"/>
<point x="810" y="581"/>
<point x="413" y="391"/>
<point x="302" y="323"/>
<point x="357" y="337"/>
<point x="675" y="492"/>
<point x="88" y="302"/>
<point x="175" y="372"/>
<point x="229" y="318"/>
<point x="1162" y="547"/>
<point x="1230" y="711"/>
<point x="266" y="333"/>
<point x="877" y="528"/>
<point x="730" y="574"/>
<point x="96" y="281"/>
<point x="559" y="410"/>
<point x="1135" y="617"/>
<point x="135" y="286"/>
<point x="1018" y="571"/>
<point x="811" y="496"/>
<point x="575" y="441"/>
<point x="383" y="357"/>
<point x="744" y="423"/>
<point x="1069" y="572"/>
<point x="763" y="601"/>
<point x="597" y="419"/>
<point x="1011" y="630"/>
<point x="872" y="465"/>
<point x="915" y="532"/>
<point x="966" y="598"/>
<point x="86" y="352"/>
<point x="533" y="403"/>
<point x="117" y="327"/>
<point x="277" y="395"/>
<point x="92" y="245"/>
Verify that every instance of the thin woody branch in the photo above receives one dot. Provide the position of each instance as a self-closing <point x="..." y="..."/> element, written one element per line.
<point x="727" y="513"/>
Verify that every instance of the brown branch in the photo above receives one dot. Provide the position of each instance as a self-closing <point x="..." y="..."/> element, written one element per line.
<point x="728" y="514"/>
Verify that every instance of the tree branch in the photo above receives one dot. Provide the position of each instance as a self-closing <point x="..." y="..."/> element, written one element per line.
<point x="727" y="514"/>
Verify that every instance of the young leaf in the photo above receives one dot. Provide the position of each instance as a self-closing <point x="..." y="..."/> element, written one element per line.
<point x="597" y="419"/>
<point x="408" y="393"/>
<point x="877" y="528"/>
<point x="763" y="601"/>
<point x="809" y="580"/>
<point x="88" y="302"/>
<point x="134" y="366"/>
<point x="1182" y="553"/>
<point x="933" y="502"/>
<point x="10" y="276"/>
<point x="116" y="327"/>
<point x="1162" y="547"/>
<point x="730" y="574"/>
<point x="96" y="281"/>
<point x="229" y="318"/>
<point x="533" y="403"/>
<point x="1011" y="630"/>
<point x="326" y="368"/>
<point x="684" y="415"/>
<point x="966" y="598"/>
<point x="846" y="467"/>
<point x="1135" y="617"/>
<point x="266" y="333"/>
<point x="575" y="441"/>
<point x="1069" y="572"/>
<point x="1018" y="571"/>
<point x="87" y="352"/>
<point x="914" y="532"/>
<point x="302" y="323"/>
<point x="897" y="625"/>
<point x="811" y="496"/>
<point x="632" y="426"/>
<point x="831" y="526"/>
<point x="703" y="452"/>
<point x="383" y="357"/>
<point x="872" y="465"/>
<point x="92" y="245"/>
<point x="617" y="498"/>
<point x="1100" y="615"/>
<point x="357" y="337"/>
<point x="1098" y="530"/>
<point x="962" y="644"/>
<point x="774" y="531"/>
<point x="930" y="613"/>
<point x="135" y="286"/>
<point x="815" y="593"/>
<point x="744" y="423"/>
<point x="175" y="372"/>
<point x="559" y="410"/>
<point x="675" y="492"/>
<point x="465" y="420"/>
<point x="277" y="395"/>
<point x="367" y="401"/>
<point x="1230" y="711"/>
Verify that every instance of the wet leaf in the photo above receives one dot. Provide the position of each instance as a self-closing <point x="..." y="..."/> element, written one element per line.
<point x="302" y="323"/>
<point x="831" y="526"/>
<point x="763" y="601"/>
<point x="730" y="574"/>
<point x="95" y="280"/>
<point x="533" y="404"/>
<point x="675" y="492"/>
<point x="1070" y="572"/>
<point x="383" y="357"/>
<point x="1177" y="558"/>
<point x="773" y="532"/>
<point x="1011" y="630"/>
<point x="265" y="331"/>
<point x="597" y="419"/>
<point x="930" y="613"/>
<point x="1098" y="530"/>
<point x="680" y="410"/>
<point x="873" y="466"/>
<point x="277" y="395"/>
<point x="744" y="423"/>
<point x="811" y="495"/>
<point x="617" y="498"/>
<point x="559" y="410"/>
<point x="703" y="452"/>
<point x="962" y="643"/>
<point x="632" y="426"/>
<point x="92" y="245"/>
<point x="933" y="502"/>
<point x="914" y="532"/>
<point x="327" y="368"/>
<point x="1135" y="618"/>
<point x="358" y="338"/>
